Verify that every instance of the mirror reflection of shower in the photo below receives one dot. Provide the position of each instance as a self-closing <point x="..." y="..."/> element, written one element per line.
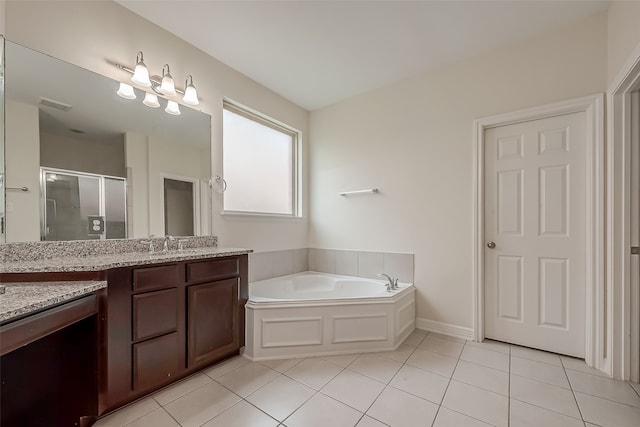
<point x="82" y="206"/>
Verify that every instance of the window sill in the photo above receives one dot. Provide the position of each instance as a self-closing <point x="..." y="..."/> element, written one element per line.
<point x="260" y="215"/>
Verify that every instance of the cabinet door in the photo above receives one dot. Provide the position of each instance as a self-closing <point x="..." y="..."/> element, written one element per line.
<point x="213" y="326"/>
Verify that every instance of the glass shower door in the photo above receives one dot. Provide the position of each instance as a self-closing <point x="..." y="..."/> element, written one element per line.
<point x="78" y="206"/>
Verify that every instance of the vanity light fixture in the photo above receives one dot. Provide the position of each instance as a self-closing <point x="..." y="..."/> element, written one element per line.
<point x="151" y="100"/>
<point x="167" y="87"/>
<point x="172" y="108"/>
<point x="190" y="94"/>
<point x="141" y="73"/>
<point x="126" y="91"/>
<point x="163" y="86"/>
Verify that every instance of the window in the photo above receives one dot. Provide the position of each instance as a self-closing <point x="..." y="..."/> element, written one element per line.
<point x="260" y="163"/>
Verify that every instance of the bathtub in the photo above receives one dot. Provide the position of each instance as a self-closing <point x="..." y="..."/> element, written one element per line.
<point x="312" y="314"/>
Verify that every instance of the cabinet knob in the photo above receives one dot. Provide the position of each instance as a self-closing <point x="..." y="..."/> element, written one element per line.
<point x="491" y="245"/>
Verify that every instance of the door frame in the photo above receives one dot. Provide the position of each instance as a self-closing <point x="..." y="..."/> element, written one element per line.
<point x="195" y="191"/>
<point x="623" y="350"/>
<point x="593" y="107"/>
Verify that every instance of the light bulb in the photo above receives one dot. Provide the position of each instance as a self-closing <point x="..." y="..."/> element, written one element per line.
<point x="167" y="87"/>
<point x="126" y="91"/>
<point x="151" y="100"/>
<point x="172" y="108"/>
<point x="190" y="94"/>
<point x="141" y="73"/>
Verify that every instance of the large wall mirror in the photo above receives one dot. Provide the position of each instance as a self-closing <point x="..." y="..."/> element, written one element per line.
<point x="83" y="163"/>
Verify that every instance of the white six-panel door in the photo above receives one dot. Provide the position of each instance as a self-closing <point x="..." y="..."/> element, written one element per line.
<point x="535" y="234"/>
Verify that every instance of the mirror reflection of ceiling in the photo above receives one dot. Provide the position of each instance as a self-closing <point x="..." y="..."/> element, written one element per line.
<point x="97" y="112"/>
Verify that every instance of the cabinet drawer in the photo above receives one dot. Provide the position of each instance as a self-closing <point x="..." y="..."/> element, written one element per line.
<point x="206" y="271"/>
<point x="154" y="313"/>
<point x="145" y="279"/>
<point x="155" y="362"/>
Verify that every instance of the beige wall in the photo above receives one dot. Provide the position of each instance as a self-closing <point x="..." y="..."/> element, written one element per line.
<point x="623" y="34"/>
<point x="166" y="158"/>
<point x="82" y="155"/>
<point x="23" y="137"/>
<point x="413" y="140"/>
<point x="94" y="33"/>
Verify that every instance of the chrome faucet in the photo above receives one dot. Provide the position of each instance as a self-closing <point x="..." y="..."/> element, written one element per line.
<point x="165" y="245"/>
<point x="391" y="282"/>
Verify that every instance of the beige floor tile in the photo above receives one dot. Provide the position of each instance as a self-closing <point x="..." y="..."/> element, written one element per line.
<point x="606" y="388"/>
<point x="433" y="362"/>
<point x="248" y="378"/>
<point x="537" y="355"/>
<point x="343" y="360"/>
<point x="525" y="415"/>
<point x="242" y="415"/>
<point x="448" y="337"/>
<point x="485" y="357"/>
<point x="281" y="397"/>
<point x="226" y="367"/>
<point x="497" y="346"/>
<point x="539" y="371"/>
<point x="129" y="413"/>
<point x="448" y="418"/>
<point x="579" y="365"/>
<point x="397" y="408"/>
<point x="323" y="411"/>
<point x="367" y="421"/>
<point x="401" y="354"/>
<point x="421" y="383"/>
<point x="314" y="372"/>
<point x="636" y="387"/>
<point x="181" y="388"/>
<point x="547" y="396"/>
<point x="415" y="338"/>
<point x="379" y="368"/>
<point x="157" y="418"/>
<point x="201" y="405"/>
<point x="441" y="346"/>
<point x="482" y="377"/>
<point x="477" y="403"/>
<point x="353" y="389"/>
<point x="281" y="365"/>
<point x="606" y="413"/>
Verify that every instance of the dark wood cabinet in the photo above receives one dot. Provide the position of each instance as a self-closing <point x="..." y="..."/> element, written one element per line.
<point x="155" y="324"/>
<point x="166" y="321"/>
<point x="213" y="324"/>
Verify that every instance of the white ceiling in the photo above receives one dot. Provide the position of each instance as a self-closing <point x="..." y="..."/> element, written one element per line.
<point x="316" y="53"/>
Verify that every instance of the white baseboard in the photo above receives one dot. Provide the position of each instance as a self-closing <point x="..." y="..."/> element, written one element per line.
<point x="444" y="328"/>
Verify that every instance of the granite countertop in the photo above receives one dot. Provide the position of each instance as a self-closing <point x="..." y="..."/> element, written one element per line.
<point x="21" y="299"/>
<point x="106" y="262"/>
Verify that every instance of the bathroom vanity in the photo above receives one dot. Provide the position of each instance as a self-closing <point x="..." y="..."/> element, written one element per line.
<point x="151" y="320"/>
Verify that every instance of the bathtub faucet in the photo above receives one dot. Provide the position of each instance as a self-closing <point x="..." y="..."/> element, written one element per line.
<point x="393" y="284"/>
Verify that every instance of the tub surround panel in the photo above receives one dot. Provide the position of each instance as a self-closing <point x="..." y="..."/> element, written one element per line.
<point x="36" y="251"/>
<point x="367" y="264"/>
<point x="296" y="331"/>
<point x="21" y="299"/>
<point x="267" y="265"/>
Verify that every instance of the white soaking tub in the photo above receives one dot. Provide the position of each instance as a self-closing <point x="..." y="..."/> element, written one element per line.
<point x="310" y="314"/>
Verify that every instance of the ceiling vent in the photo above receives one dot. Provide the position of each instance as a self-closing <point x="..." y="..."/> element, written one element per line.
<point x="46" y="102"/>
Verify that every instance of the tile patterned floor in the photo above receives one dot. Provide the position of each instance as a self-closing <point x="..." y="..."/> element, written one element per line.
<point x="431" y="380"/>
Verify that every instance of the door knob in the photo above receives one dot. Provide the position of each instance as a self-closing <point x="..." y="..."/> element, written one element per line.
<point x="491" y="245"/>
